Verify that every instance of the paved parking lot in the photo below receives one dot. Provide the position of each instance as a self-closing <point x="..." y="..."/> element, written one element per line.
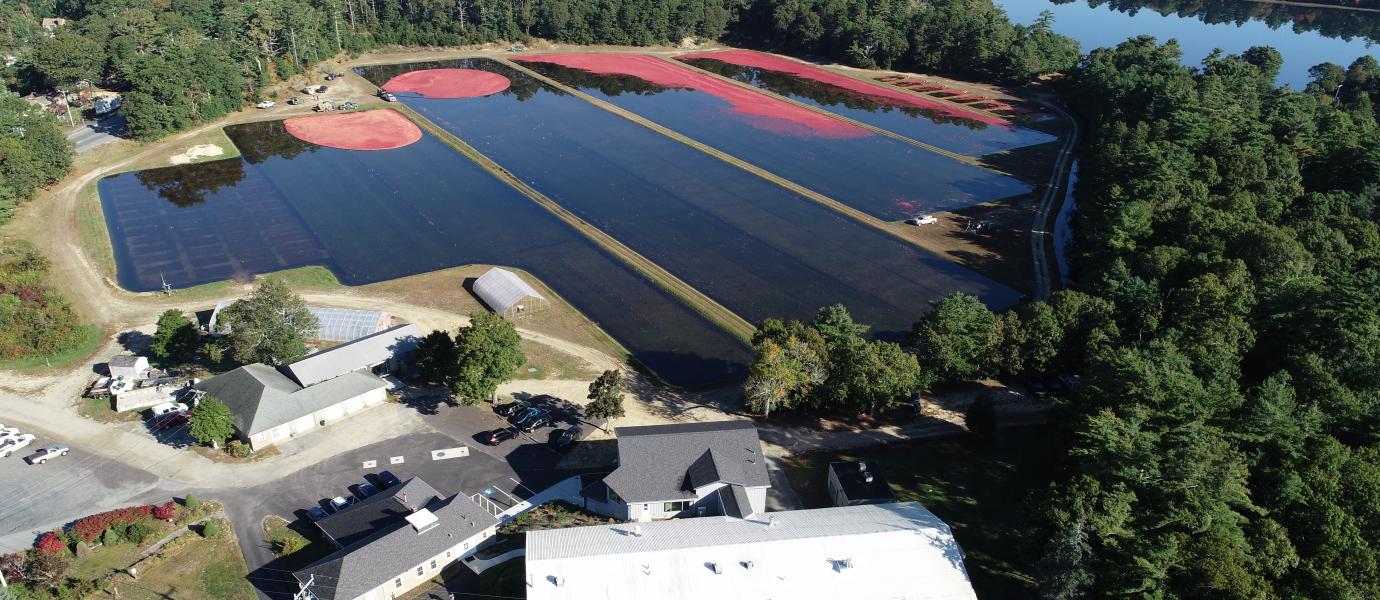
<point x="504" y="474"/>
<point x="38" y="498"/>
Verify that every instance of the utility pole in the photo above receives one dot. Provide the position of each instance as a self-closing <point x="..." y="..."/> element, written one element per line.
<point x="1338" y="94"/>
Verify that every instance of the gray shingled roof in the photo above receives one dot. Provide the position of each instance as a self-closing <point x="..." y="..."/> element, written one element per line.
<point x="262" y="398"/>
<point x="359" y="354"/>
<point x="667" y="462"/>
<point x="394" y="549"/>
<point x="735" y="501"/>
<point x="123" y="360"/>
<point x="383" y="509"/>
<point x="500" y="289"/>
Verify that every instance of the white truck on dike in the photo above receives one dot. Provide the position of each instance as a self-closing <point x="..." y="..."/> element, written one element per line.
<point x="15" y="444"/>
<point x="105" y="105"/>
<point x="46" y="453"/>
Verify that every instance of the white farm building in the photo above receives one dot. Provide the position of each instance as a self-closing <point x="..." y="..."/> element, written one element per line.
<point x="507" y="294"/>
<point x="897" y="551"/>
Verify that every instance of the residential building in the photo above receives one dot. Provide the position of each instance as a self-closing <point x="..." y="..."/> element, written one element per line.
<point x="684" y="470"/>
<point x="507" y="294"/>
<point x="128" y="366"/>
<point x="853" y="483"/>
<point x="893" y="551"/>
<point x="270" y="407"/>
<point x="412" y="538"/>
<point x="357" y="523"/>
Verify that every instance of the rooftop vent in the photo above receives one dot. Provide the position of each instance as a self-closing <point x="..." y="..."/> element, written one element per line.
<point x="637" y="531"/>
<point x="423" y="521"/>
<point x="717" y="568"/>
<point x="560" y="581"/>
<point x="747" y="564"/>
<point x="846" y="563"/>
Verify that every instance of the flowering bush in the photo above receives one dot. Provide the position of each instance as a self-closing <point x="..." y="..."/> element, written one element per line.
<point x="90" y="527"/>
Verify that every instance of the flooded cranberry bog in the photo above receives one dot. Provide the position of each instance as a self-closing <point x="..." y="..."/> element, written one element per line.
<point x="881" y="176"/>
<point x="371" y="216"/>
<point x="603" y="201"/>
<point x="941" y="125"/>
<point x="751" y="245"/>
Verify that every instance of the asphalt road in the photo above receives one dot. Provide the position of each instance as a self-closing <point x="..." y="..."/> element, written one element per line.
<point x="98" y="132"/>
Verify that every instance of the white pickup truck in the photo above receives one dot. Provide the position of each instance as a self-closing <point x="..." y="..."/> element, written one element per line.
<point x="46" y="453"/>
<point x="15" y="444"/>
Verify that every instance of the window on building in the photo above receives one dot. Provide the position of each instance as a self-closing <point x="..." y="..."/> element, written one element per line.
<point x="467" y="545"/>
<point x="433" y="564"/>
<point x="675" y="507"/>
<point x="447" y="553"/>
<point x="397" y="583"/>
<point x="419" y="569"/>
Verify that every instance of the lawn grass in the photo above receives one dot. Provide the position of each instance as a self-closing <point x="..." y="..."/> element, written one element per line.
<point x="104" y="560"/>
<point x="545" y="362"/>
<point x="91" y="227"/>
<point x="985" y="490"/>
<point x="299" y="279"/>
<point x="200" y="569"/>
<point x="93" y="338"/>
<point x="505" y="580"/>
<point x="312" y="548"/>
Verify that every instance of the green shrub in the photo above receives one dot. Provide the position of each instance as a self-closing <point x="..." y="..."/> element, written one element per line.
<point x="210" y="529"/>
<point x="110" y="537"/>
<point x="191" y="502"/>
<point x="288" y="544"/>
<point x="137" y="531"/>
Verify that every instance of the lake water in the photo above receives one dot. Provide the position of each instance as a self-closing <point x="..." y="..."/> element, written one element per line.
<point x="1243" y="25"/>
<point x="946" y="130"/>
<point x="374" y="216"/>
<point x="751" y="245"/>
<point x="884" y="177"/>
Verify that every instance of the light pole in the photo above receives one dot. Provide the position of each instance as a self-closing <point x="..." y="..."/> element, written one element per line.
<point x="1337" y="94"/>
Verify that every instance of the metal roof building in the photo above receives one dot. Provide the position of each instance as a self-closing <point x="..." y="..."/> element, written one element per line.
<point x="268" y="406"/>
<point x="899" y="551"/>
<point x="388" y="349"/>
<point x="507" y="294"/>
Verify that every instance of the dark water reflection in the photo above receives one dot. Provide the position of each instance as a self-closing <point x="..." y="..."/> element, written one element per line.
<point x="883" y="177"/>
<point x="753" y="246"/>
<point x="932" y="126"/>
<point x="374" y="216"/>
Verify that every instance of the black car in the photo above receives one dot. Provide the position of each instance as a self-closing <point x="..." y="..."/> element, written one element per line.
<point x="510" y="409"/>
<point x="498" y="436"/>
<point x="526" y="415"/>
<point x="535" y="423"/>
<point x="386" y="479"/>
<point x="568" y="437"/>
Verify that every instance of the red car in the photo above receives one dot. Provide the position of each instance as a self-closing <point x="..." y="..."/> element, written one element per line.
<point x="171" y="420"/>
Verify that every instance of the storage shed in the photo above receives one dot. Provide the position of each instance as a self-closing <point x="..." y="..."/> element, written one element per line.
<point x="507" y="294"/>
<point x="128" y="366"/>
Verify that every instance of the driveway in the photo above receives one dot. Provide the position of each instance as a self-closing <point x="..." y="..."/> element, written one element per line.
<point x="96" y="133"/>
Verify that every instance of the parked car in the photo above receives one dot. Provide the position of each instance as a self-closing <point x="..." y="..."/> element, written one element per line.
<point x="15" y="444"/>
<point x="569" y="437"/>
<point x="266" y="104"/>
<point x="311" y="89"/>
<point x="386" y="479"/>
<point x="366" y="489"/>
<point x="348" y="106"/>
<point x="46" y="453"/>
<point x="338" y="503"/>
<point x="316" y="513"/>
<point x="388" y="97"/>
<point x="171" y="420"/>
<point x="535" y="423"/>
<point x="166" y="408"/>
<point x="525" y="414"/>
<point x="498" y="436"/>
<point x="510" y="409"/>
<point x="922" y="220"/>
<point x="321" y="89"/>
<point x="295" y="100"/>
<point x="330" y="77"/>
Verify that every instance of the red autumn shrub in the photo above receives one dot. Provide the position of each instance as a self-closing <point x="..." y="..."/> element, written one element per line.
<point x="90" y="527"/>
<point x="165" y="511"/>
<point x="50" y="543"/>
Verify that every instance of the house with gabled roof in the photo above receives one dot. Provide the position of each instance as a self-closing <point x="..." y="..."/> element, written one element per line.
<point x="396" y="542"/>
<point x="268" y="407"/>
<point x="684" y="470"/>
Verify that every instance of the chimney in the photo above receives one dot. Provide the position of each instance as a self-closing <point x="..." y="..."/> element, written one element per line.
<point x="718" y="568"/>
<point x="771" y="522"/>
